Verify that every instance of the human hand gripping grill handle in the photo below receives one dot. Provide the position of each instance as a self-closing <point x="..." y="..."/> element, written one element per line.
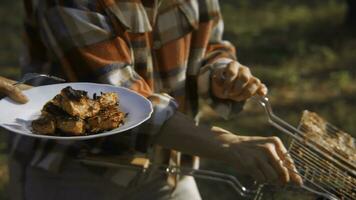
<point x="256" y="193"/>
<point x="143" y="165"/>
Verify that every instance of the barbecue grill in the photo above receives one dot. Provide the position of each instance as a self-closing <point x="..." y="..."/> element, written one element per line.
<point x="326" y="173"/>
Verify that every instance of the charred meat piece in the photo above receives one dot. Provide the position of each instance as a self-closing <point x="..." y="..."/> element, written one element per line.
<point x="331" y="139"/>
<point x="56" y="100"/>
<point x="107" y="99"/>
<point x="77" y="103"/>
<point x="51" y="109"/>
<point x="73" y="113"/>
<point x="71" y="125"/>
<point x="44" y="126"/>
<point x="74" y="95"/>
<point x="107" y="119"/>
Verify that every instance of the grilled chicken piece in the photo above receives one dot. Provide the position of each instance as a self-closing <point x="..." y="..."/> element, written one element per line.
<point x="71" y="125"/>
<point x="53" y="110"/>
<point x="56" y="100"/>
<point x="331" y="139"/>
<point x="107" y="119"/>
<point x="76" y="103"/>
<point x="74" y="113"/>
<point x="44" y="126"/>
<point x="107" y="99"/>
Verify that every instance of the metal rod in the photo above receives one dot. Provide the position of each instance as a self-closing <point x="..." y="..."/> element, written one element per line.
<point x="198" y="173"/>
<point x="313" y="156"/>
<point x="325" y="192"/>
<point x="298" y="134"/>
<point x="321" y="180"/>
<point x="313" y="159"/>
<point x="204" y="174"/>
<point x="327" y="180"/>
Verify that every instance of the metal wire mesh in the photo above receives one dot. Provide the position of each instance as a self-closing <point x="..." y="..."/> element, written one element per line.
<point x="321" y="171"/>
<point x="324" y="171"/>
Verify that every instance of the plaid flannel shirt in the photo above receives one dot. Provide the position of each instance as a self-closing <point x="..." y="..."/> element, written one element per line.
<point x="164" y="50"/>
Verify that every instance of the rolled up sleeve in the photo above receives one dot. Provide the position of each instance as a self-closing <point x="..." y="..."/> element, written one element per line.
<point x="219" y="54"/>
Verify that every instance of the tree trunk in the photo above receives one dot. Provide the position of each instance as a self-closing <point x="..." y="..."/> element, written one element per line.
<point x="351" y="13"/>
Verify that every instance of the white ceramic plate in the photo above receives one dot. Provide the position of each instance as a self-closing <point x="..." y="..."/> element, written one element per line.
<point x="17" y="118"/>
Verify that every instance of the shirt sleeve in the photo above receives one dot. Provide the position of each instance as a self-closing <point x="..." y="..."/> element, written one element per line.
<point x="218" y="55"/>
<point x="81" y="38"/>
<point x="32" y="56"/>
<point x="92" y="48"/>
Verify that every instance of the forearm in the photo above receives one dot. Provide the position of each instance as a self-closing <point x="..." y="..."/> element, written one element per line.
<point x="181" y="133"/>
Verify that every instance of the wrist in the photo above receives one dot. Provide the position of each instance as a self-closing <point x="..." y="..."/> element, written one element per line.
<point x="227" y="140"/>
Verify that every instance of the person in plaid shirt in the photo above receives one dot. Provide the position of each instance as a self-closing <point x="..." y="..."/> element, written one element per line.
<point x="171" y="52"/>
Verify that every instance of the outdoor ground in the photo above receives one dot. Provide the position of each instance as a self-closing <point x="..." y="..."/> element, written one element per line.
<point x="301" y="49"/>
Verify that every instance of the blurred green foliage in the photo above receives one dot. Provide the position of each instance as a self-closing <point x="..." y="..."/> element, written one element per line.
<point x="11" y="17"/>
<point x="306" y="54"/>
<point x="301" y="49"/>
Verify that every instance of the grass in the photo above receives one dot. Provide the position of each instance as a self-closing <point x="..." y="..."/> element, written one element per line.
<point x="303" y="52"/>
<point x="300" y="48"/>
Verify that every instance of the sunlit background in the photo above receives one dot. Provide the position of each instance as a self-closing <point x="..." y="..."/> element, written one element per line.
<point x="302" y="49"/>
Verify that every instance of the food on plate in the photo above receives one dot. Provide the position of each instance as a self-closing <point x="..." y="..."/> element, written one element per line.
<point x="328" y="137"/>
<point x="73" y="125"/>
<point x="77" y="103"/>
<point x="44" y="125"/>
<point x="73" y="113"/>
<point x="108" y="118"/>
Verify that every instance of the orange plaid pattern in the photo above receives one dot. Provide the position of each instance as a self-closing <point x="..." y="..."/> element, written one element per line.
<point x="164" y="50"/>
